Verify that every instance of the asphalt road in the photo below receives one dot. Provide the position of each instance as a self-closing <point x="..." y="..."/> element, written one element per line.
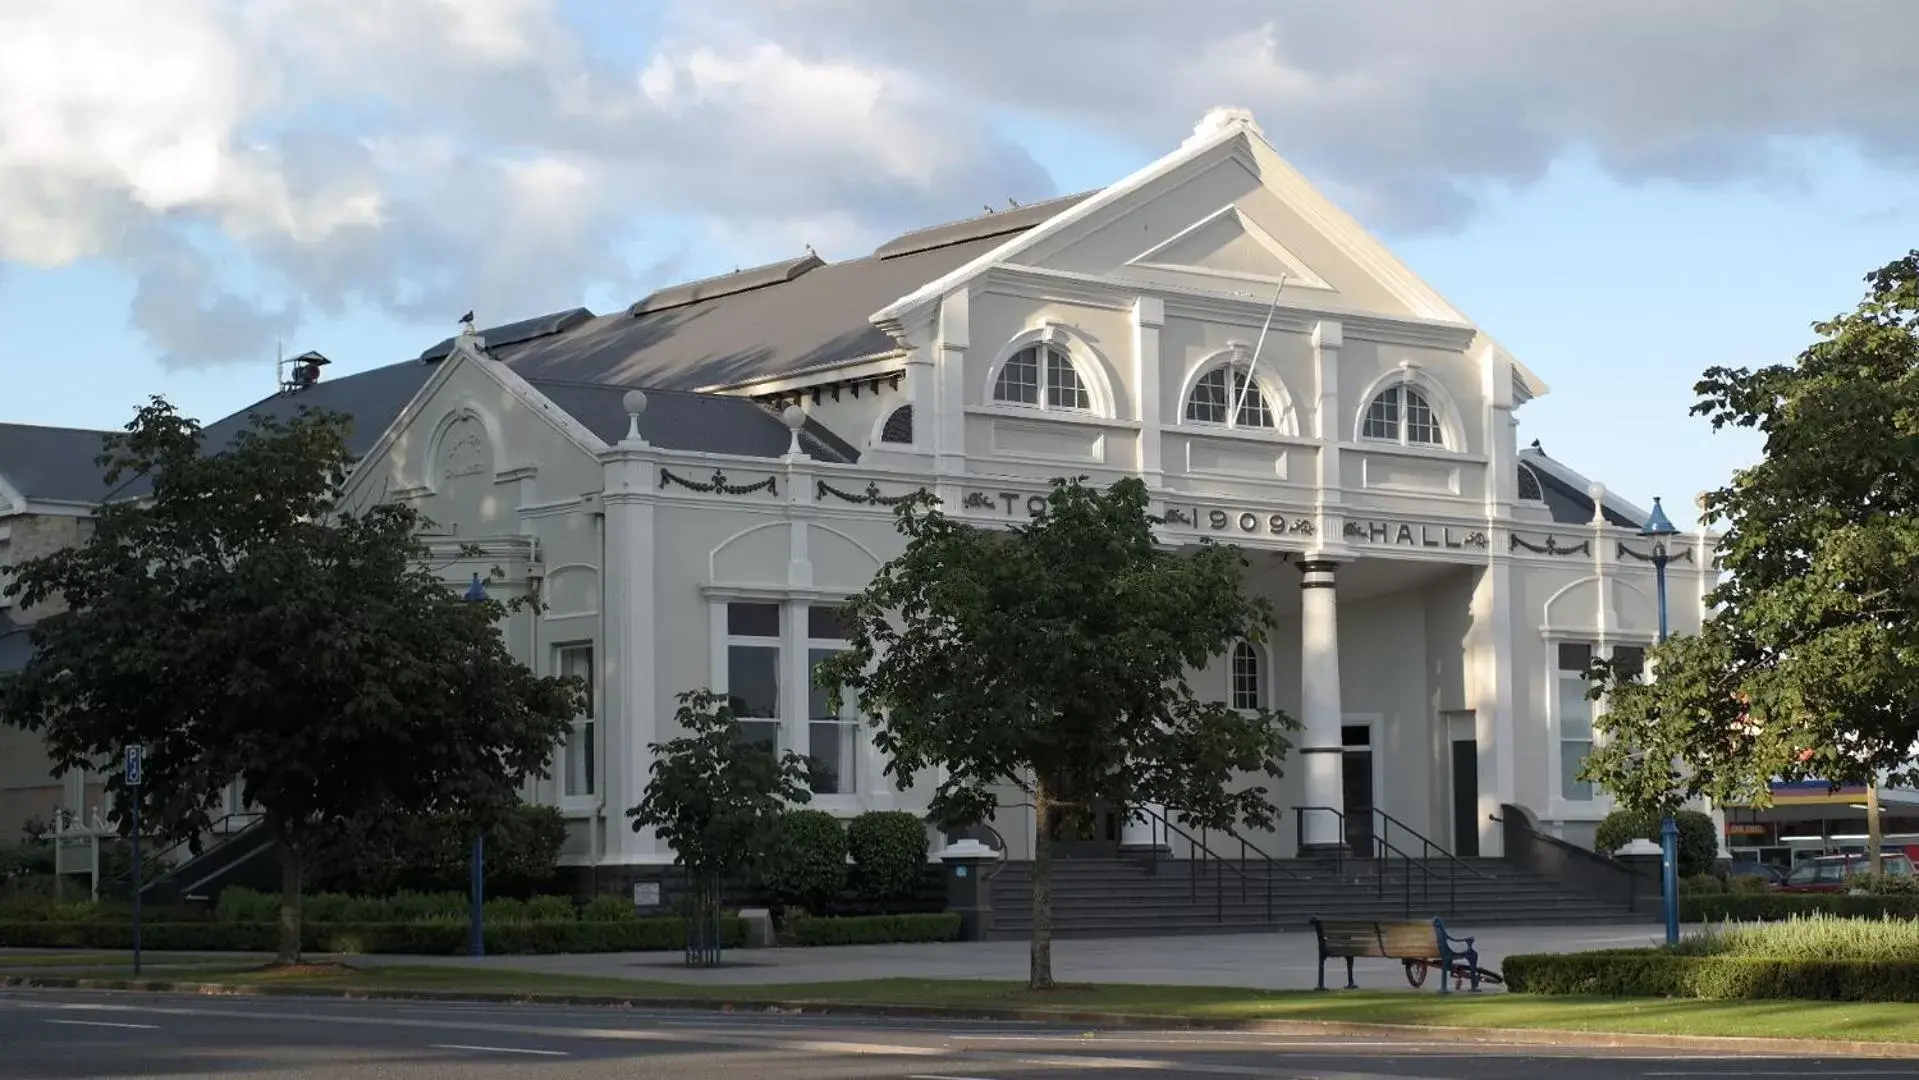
<point x="46" y="1034"/>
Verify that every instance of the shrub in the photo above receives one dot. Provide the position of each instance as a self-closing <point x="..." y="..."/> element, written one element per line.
<point x="1772" y="906"/>
<point x="551" y="909"/>
<point x="379" y="854"/>
<point x="873" y="929"/>
<point x="1698" y="838"/>
<point x="1701" y="884"/>
<point x="21" y="860"/>
<point x="807" y="865"/>
<point x="1655" y="973"/>
<point x="506" y="910"/>
<point x="1748" y="884"/>
<point x="889" y="855"/>
<point x="424" y="939"/>
<point x="608" y="909"/>
<point x="1809" y="937"/>
<point x="1887" y="884"/>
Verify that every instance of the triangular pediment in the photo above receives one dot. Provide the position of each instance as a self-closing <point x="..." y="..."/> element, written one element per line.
<point x="1227" y="244"/>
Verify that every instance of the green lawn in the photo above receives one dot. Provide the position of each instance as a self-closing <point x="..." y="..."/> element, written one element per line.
<point x="1889" y="1022"/>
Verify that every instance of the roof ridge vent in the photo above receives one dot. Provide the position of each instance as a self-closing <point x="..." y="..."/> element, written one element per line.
<point x="739" y="281"/>
<point x="992" y="223"/>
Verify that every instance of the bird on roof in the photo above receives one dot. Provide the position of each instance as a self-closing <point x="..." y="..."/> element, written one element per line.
<point x="1010" y="202"/>
<point x="467" y="319"/>
<point x="1537" y="447"/>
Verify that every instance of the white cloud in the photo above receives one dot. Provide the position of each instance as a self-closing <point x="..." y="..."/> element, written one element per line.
<point x="429" y="156"/>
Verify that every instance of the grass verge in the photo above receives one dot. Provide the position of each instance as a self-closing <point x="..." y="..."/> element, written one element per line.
<point x="1862" y="1022"/>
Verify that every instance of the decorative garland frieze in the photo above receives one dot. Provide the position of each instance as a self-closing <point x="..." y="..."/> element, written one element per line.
<point x="1684" y="554"/>
<point x="1552" y="546"/>
<point x="870" y="497"/>
<point x="1176" y="516"/>
<point x="718" y="485"/>
<point x="977" y="500"/>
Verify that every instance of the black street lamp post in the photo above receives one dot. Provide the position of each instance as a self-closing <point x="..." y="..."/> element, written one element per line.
<point x="1657" y="529"/>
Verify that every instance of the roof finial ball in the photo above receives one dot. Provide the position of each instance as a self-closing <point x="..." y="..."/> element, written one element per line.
<point x="635" y="403"/>
<point x="1222" y="117"/>
<point x="794" y="418"/>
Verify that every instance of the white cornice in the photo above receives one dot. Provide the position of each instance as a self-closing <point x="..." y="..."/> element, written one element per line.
<point x="1067" y="286"/>
<point x="464" y="355"/>
<point x="881" y="363"/>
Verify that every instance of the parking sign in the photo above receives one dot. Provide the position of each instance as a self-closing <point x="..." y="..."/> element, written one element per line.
<point x="134" y="765"/>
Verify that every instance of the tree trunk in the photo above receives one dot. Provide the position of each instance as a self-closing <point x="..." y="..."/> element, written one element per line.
<point x="289" y="897"/>
<point x="1040" y="971"/>
<point x="1875" y="839"/>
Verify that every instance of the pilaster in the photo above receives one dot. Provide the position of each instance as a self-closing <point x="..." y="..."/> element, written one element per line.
<point x="1328" y="336"/>
<point x="1149" y="318"/>
<point x="630" y="650"/>
<point x="950" y="345"/>
<point x="1502" y="435"/>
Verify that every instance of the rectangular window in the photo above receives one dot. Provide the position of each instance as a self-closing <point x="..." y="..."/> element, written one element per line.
<point x="832" y="739"/>
<point x="1575" y="720"/>
<point x="577" y="770"/>
<point x="753" y="672"/>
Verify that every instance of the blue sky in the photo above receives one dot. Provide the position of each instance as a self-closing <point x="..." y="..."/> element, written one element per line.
<point x="1616" y="272"/>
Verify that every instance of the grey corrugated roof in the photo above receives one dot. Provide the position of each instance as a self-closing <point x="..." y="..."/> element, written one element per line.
<point x="514" y="333"/>
<point x="1566" y="502"/>
<point x="52" y="464"/>
<point x="703" y="423"/>
<point x="784" y="327"/>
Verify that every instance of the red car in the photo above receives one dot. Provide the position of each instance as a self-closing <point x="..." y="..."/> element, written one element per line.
<point x="1833" y="873"/>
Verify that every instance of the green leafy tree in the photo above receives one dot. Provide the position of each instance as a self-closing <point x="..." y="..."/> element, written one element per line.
<point x="717" y="801"/>
<point x="242" y="624"/>
<point x="1052" y="658"/>
<point x="1810" y="665"/>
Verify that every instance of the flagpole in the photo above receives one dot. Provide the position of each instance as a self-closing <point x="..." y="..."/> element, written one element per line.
<point x="1239" y="398"/>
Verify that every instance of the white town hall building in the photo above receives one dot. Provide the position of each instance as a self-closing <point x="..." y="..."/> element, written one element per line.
<point x="1438" y="588"/>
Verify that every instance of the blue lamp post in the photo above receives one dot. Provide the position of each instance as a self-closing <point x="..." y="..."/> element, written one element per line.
<point x="1657" y="529"/>
<point x="476" y="917"/>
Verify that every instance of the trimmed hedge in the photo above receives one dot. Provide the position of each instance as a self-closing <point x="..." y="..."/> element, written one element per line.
<point x="420" y="939"/>
<point x="889" y="854"/>
<point x="1656" y="973"/>
<point x="1772" y="907"/>
<point x="872" y="929"/>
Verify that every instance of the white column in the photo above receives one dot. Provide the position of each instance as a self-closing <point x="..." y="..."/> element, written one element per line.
<point x="1489" y="662"/>
<point x="1320" y="747"/>
<point x="1143" y="832"/>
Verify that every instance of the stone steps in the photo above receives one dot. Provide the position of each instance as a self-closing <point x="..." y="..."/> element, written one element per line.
<point x="1127" y="897"/>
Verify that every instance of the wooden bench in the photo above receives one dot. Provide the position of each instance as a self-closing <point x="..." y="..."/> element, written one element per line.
<point x="1416" y="944"/>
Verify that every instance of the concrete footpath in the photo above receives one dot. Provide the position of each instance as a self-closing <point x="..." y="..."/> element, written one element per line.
<point x="1275" y="961"/>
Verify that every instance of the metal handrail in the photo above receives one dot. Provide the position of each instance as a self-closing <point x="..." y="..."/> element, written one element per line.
<point x="220" y="827"/>
<point x="1382" y="842"/>
<point x="1219" y="883"/>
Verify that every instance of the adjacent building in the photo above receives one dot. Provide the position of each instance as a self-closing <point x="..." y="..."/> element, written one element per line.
<point x="691" y="484"/>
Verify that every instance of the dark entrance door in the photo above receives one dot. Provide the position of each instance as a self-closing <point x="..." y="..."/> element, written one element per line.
<point x="1084" y="832"/>
<point x="1465" y="797"/>
<point x="1356" y="767"/>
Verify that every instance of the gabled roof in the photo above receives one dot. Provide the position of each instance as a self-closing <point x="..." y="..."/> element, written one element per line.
<point x="51" y="464"/>
<point x="701" y="423"/>
<point x="1568" y="493"/>
<point x="764" y="322"/>
<point x="1219" y="130"/>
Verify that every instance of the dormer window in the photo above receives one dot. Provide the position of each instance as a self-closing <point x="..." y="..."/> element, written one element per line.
<point x="1044" y="376"/>
<point x="1228" y="395"/>
<point x="1402" y="414"/>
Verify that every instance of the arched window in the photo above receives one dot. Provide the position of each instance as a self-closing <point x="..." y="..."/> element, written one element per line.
<point x="1041" y="375"/>
<point x="1529" y="488"/>
<point x="1246" y="686"/>
<point x="899" y="426"/>
<point x="1402" y="414"/>
<point x="1228" y="395"/>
